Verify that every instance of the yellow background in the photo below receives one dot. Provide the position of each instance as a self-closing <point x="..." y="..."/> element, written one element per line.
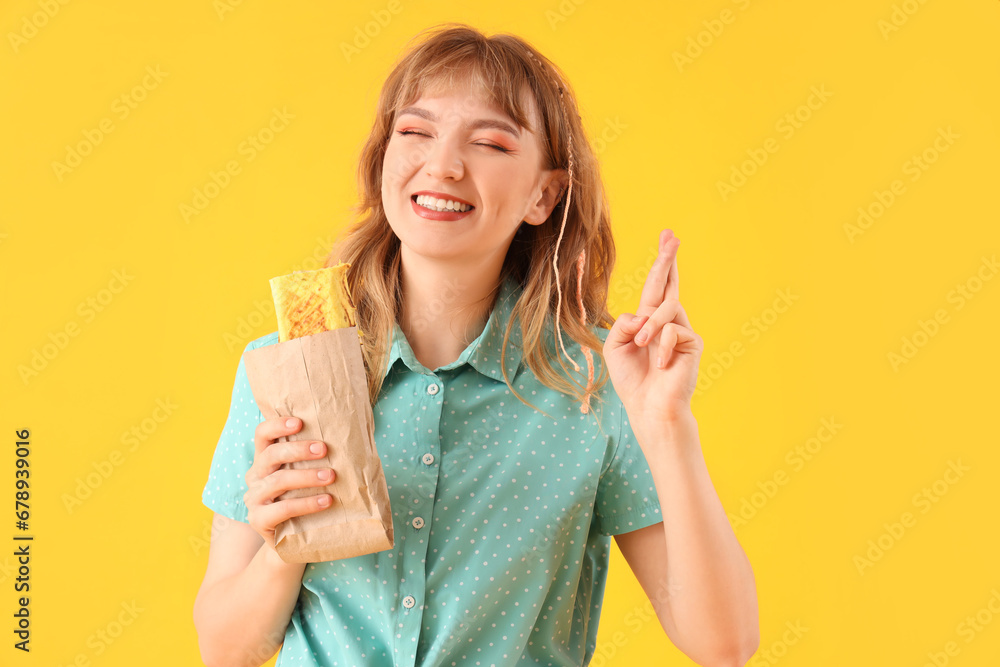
<point x="668" y="133"/>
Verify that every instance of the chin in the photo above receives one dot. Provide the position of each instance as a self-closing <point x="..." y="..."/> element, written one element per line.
<point x="435" y="245"/>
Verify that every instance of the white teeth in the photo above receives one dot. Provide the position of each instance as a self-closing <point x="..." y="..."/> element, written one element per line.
<point x="441" y="204"/>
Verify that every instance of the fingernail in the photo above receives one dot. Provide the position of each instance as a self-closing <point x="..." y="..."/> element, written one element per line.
<point x="641" y="337"/>
<point x="323" y="475"/>
<point x="316" y="448"/>
<point x="291" y="422"/>
<point x="636" y="318"/>
<point x="659" y="362"/>
<point x="323" y="500"/>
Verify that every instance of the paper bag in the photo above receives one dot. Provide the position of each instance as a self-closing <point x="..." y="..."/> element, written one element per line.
<point x="321" y="380"/>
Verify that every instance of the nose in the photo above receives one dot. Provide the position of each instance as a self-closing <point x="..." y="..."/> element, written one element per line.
<point x="444" y="161"/>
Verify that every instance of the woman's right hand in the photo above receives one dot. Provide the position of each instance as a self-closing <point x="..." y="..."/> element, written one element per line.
<point x="266" y="480"/>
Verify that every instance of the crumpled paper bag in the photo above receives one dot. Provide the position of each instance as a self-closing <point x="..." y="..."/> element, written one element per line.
<point x="321" y="380"/>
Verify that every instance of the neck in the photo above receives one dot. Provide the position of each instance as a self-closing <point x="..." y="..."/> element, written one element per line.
<point x="445" y="306"/>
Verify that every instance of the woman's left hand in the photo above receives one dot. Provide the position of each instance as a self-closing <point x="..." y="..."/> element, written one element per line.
<point x="653" y="356"/>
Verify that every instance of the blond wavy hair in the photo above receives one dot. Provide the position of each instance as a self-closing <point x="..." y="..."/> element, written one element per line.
<point x="574" y="244"/>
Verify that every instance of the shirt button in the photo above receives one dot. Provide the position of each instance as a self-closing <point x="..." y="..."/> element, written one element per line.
<point x="418" y="523"/>
<point x="428" y="458"/>
<point x="433" y="389"/>
<point x="409" y="601"/>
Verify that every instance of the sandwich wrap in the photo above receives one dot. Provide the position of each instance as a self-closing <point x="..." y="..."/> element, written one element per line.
<point x="316" y="372"/>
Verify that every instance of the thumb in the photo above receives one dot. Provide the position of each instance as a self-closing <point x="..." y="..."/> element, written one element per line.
<point x="624" y="330"/>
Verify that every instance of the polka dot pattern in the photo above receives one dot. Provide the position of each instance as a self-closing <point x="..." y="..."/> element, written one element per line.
<point x="502" y="516"/>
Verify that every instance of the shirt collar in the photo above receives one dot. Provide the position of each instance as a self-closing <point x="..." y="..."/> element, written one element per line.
<point x="483" y="353"/>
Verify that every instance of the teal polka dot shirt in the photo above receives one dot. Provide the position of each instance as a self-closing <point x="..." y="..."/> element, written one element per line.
<point x="502" y="516"/>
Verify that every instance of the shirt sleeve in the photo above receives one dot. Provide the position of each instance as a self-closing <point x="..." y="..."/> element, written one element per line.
<point x="234" y="452"/>
<point x="626" y="495"/>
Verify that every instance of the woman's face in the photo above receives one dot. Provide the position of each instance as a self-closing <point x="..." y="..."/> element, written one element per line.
<point x="457" y="146"/>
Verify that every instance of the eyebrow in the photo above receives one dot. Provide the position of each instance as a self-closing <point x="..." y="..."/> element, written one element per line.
<point x="478" y="124"/>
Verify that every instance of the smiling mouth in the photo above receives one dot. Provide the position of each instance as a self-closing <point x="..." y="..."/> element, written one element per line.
<point x="431" y="214"/>
<point x="428" y="204"/>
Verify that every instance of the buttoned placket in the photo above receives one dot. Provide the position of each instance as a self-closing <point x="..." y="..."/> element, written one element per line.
<point x="429" y="402"/>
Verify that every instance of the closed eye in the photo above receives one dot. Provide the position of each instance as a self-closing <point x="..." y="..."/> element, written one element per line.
<point x="499" y="148"/>
<point x="493" y="146"/>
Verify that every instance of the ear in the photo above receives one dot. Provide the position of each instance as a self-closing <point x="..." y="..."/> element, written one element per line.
<point x="554" y="185"/>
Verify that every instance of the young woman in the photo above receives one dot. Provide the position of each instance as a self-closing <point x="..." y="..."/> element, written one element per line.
<point x="481" y="257"/>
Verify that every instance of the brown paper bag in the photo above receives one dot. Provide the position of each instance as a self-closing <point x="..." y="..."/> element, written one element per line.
<point x="321" y="380"/>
